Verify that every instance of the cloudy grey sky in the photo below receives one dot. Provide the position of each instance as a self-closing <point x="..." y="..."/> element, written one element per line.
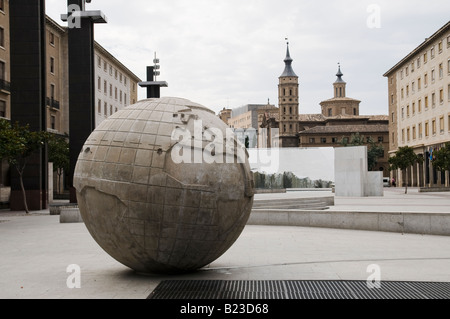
<point x="227" y="53"/>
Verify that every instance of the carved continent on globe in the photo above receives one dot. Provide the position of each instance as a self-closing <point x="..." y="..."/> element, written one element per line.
<point x="147" y="208"/>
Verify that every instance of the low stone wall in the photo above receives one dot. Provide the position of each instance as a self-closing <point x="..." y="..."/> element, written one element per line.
<point x="5" y="193"/>
<point x="433" y="189"/>
<point x="269" y="191"/>
<point x="412" y="223"/>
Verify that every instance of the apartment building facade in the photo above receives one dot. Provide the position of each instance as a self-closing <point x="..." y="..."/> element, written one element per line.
<point x="419" y="107"/>
<point x="121" y="83"/>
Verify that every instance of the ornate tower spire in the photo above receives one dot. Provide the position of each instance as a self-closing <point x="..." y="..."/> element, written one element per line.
<point x="288" y="104"/>
<point x="288" y="71"/>
<point x="340" y="84"/>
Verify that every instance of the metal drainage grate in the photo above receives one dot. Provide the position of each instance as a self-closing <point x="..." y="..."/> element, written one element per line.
<point x="218" y="289"/>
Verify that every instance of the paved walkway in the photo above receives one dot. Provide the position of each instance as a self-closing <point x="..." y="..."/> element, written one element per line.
<point x="36" y="251"/>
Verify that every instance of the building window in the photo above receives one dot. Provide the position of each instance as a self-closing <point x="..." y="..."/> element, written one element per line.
<point x="312" y="140"/>
<point x="407" y="111"/>
<point x="120" y="95"/>
<point x="2" y="108"/>
<point x="407" y="91"/>
<point x="110" y="110"/>
<point x="441" y="125"/>
<point x="2" y="37"/>
<point x="420" y="130"/>
<point x="393" y="138"/>
<point x="407" y="134"/>
<point x="52" y="38"/>
<point x="440" y="47"/>
<point x="116" y="73"/>
<point x="110" y="70"/>
<point x="433" y="99"/>
<point x="115" y="93"/>
<point x="414" y="136"/>
<point x="418" y="63"/>
<point x="99" y="61"/>
<point x="432" y="52"/>
<point x="52" y="65"/>
<point x="414" y="108"/>
<point x="105" y="109"/>
<point x="110" y="90"/>
<point x="334" y="140"/>
<point x="448" y="66"/>
<point x="425" y="79"/>
<point x="419" y="84"/>
<point x="441" y="96"/>
<point x="99" y="107"/>
<point x="403" y="113"/>
<point x="403" y="135"/>
<point x="427" y="129"/>
<point x="419" y="106"/>
<point x="392" y="98"/>
<point x="393" y="117"/>
<point x="380" y="139"/>
<point x="323" y="140"/>
<point x="413" y="87"/>
<point x="105" y="66"/>
<point x="433" y="126"/>
<point x="426" y="102"/>
<point x="52" y="91"/>
<point x="52" y="122"/>
<point x="433" y="75"/>
<point x="425" y="57"/>
<point x="407" y="71"/>
<point x="99" y="83"/>
<point x="441" y="71"/>
<point x="120" y="77"/>
<point x="403" y="93"/>
<point x="105" y="87"/>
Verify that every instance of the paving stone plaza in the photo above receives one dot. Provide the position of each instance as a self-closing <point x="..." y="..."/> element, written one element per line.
<point x="39" y="253"/>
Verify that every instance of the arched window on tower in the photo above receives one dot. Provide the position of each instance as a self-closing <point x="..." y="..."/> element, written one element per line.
<point x="340" y="92"/>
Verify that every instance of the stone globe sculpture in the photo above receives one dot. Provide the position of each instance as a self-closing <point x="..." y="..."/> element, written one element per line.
<point x="163" y="186"/>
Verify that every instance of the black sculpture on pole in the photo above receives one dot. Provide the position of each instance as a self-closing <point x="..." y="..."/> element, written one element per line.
<point x="28" y="93"/>
<point x="153" y="86"/>
<point x="81" y="78"/>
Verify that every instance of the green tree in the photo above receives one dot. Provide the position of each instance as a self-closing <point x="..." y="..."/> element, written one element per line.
<point x="59" y="155"/>
<point x="374" y="150"/>
<point x="442" y="158"/>
<point x="17" y="144"/>
<point x="404" y="158"/>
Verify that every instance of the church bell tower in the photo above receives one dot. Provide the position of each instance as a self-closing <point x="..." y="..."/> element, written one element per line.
<point x="288" y="104"/>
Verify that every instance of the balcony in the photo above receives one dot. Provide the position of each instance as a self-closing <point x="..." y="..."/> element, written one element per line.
<point x="53" y="103"/>
<point x="5" y="86"/>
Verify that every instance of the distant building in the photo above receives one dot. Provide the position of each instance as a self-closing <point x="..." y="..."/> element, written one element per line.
<point x="339" y="120"/>
<point x="225" y="115"/>
<point x="419" y="106"/>
<point x="116" y="84"/>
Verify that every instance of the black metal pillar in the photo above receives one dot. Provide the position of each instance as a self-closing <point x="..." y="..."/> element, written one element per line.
<point x="81" y="80"/>
<point x="153" y="87"/>
<point x="28" y="93"/>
